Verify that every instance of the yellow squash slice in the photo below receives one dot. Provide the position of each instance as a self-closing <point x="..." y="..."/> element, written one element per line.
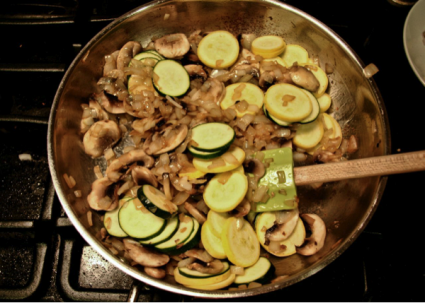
<point x="308" y="135"/>
<point x="268" y="46"/>
<point x="225" y="191"/>
<point x="216" y="221"/>
<point x="215" y="286"/>
<point x="211" y="242"/>
<point x="325" y="102"/>
<point x="287" y="102"/>
<point x="295" y="53"/>
<point x="219" y="49"/>
<point x="201" y="279"/>
<point x="240" y="242"/>
<point x="243" y="91"/>
<point x="215" y="165"/>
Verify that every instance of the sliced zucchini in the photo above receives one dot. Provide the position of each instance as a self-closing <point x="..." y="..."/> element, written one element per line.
<point x="216" y="221"/>
<point x="274" y="119"/>
<point x="268" y="46"/>
<point x="265" y="221"/>
<point x="287" y="102"/>
<point x="219" y="285"/>
<point x="155" y="201"/>
<point x="240" y="242"/>
<point x="139" y="223"/>
<point x="315" y="108"/>
<point x="170" y="78"/>
<point x="184" y="271"/>
<point x="242" y="91"/>
<point x="261" y="272"/>
<point x="206" y="155"/>
<point x="329" y="123"/>
<point x="225" y="191"/>
<point x="148" y="54"/>
<point x="308" y="135"/>
<point x="190" y="242"/>
<point x="156" y="54"/>
<point x="211" y="242"/>
<point x="208" y="166"/>
<point x="218" y="49"/>
<point x="198" y="281"/>
<point x="212" y="136"/>
<point x="295" y="53"/>
<point x="184" y="231"/>
<point x="169" y="230"/>
<point x="112" y="223"/>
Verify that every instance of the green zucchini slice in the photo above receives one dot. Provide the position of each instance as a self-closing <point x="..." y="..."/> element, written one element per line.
<point x="190" y="242"/>
<point x="184" y="231"/>
<point x="190" y="273"/>
<point x="139" y="223"/>
<point x="261" y="272"/>
<point x="111" y="221"/>
<point x="169" y="230"/>
<point x="155" y="201"/>
<point x="274" y="119"/>
<point x="170" y="78"/>
<point x="212" y="137"/>
<point x="204" y="154"/>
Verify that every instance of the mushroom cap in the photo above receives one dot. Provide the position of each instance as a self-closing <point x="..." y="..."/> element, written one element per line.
<point x="172" y="46"/>
<point x="142" y="175"/>
<point x="304" y="78"/>
<point x="100" y="136"/>
<point x="316" y="241"/>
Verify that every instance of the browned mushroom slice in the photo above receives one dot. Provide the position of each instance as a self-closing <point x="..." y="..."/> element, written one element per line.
<point x="98" y="198"/>
<point x="174" y="139"/>
<point x="127" y="52"/>
<point x="304" y="78"/>
<point x="113" y="172"/>
<point x="172" y="46"/>
<point x="142" y="175"/>
<point x="284" y="227"/>
<point x="213" y="267"/>
<point x="111" y="104"/>
<point x="315" y="242"/>
<point x="145" y="256"/>
<point x="101" y="135"/>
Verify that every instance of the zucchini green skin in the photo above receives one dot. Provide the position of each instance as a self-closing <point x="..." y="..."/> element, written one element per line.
<point x="315" y="111"/>
<point x="226" y="269"/>
<point x="277" y="121"/>
<point x="206" y="155"/>
<point x="191" y="242"/>
<point x="184" y="74"/>
<point x="265" y="279"/>
<point x="128" y="229"/>
<point x="151" y="206"/>
<point x="155" y="241"/>
<point x="225" y="146"/>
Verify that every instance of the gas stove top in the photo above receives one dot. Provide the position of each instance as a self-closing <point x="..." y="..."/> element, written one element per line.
<point x="43" y="258"/>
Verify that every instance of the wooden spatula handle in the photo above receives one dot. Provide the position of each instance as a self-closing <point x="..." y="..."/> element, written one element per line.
<point x="359" y="168"/>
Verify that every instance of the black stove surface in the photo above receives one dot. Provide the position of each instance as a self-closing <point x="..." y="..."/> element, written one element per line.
<point x="43" y="258"/>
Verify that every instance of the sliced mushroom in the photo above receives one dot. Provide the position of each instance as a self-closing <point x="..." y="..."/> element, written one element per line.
<point x="110" y="62"/>
<point x="157" y="273"/>
<point x="127" y="52"/>
<point x="196" y="70"/>
<point x="172" y="46"/>
<point x="98" y="198"/>
<point x="111" y="104"/>
<point x="315" y="242"/>
<point x="282" y="231"/>
<point x="142" y="175"/>
<point x="143" y="255"/>
<point x="242" y="209"/>
<point x="113" y="172"/>
<point x="213" y="267"/>
<point x="174" y="140"/>
<point x="197" y="214"/>
<point x="200" y="254"/>
<point x="256" y="167"/>
<point x="304" y="78"/>
<point x="101" y="135"/>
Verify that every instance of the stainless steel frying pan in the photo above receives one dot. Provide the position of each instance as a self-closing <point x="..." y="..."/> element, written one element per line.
<point x="357" y="105"/>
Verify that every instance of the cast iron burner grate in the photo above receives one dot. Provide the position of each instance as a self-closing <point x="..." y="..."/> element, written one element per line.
<point x="43" y="258"/>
